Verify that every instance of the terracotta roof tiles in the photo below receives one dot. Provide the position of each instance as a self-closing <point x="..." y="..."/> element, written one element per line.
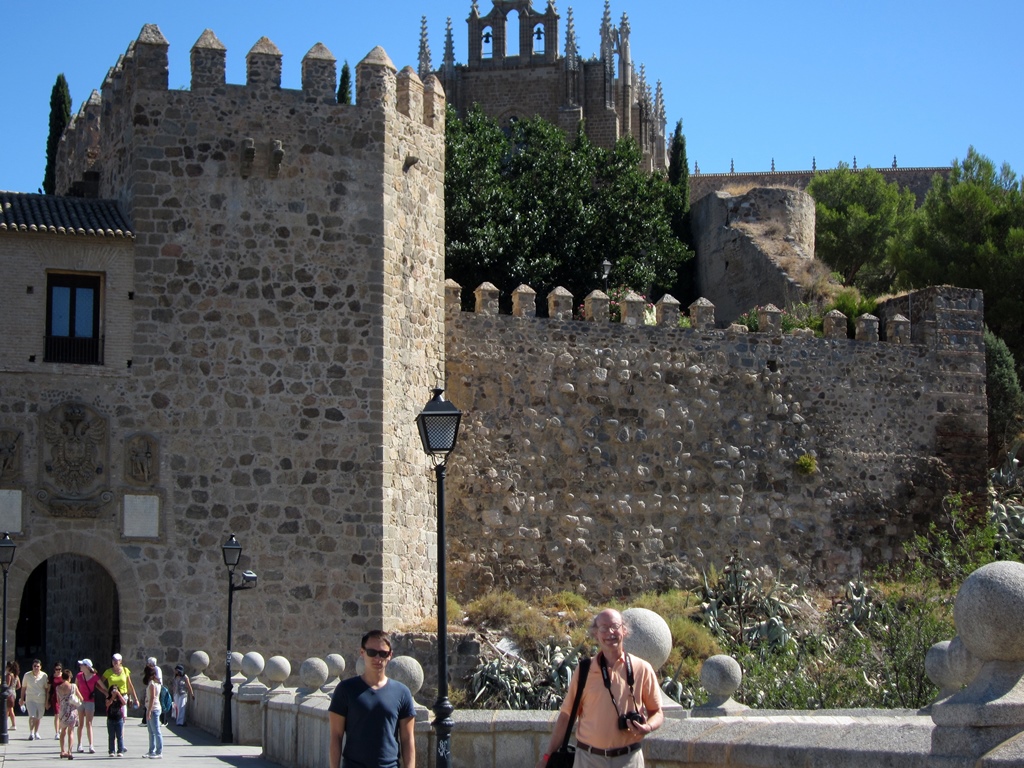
<point x="21" y="212"/>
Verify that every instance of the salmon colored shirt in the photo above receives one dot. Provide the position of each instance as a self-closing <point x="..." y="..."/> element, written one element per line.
<point x="597" y="722"/>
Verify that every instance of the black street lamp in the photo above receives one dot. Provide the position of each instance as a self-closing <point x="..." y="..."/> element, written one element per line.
<point x="232" y="551"/>
<point x="606" y="269"/>
<point x="439" y="429"/>
<point x="7" y="548"/>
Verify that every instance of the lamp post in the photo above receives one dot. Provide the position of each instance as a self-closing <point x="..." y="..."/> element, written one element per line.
<point x="439" y="429"/>
<point x="606" y="269"/>
<point x="7" y="548"/>
<point x="232" y="552"/>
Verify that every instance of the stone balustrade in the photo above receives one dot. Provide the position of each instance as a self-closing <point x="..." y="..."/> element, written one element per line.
<point x="976" y="722"/>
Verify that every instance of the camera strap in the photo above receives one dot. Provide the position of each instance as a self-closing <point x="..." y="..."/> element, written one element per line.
<point x="606" y="676"/>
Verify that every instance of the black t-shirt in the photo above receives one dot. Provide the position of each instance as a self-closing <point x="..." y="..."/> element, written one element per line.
<point x="371" y="721"/>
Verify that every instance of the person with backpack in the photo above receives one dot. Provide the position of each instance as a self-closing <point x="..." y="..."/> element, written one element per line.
<point x="156" y="738"/>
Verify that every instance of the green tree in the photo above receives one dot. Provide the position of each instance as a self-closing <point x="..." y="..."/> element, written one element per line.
<point x="345" y="85"/>
<point x="970" y="233"/>
<point x="60" y="116"/>
<point x="858" y="216"/>
<point x="1005" y="399"/>
<point x="679" y="178"/>
<point x="531" y="205"/>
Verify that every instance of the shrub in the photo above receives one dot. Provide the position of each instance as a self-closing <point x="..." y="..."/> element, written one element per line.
<point x="806" y="464"/>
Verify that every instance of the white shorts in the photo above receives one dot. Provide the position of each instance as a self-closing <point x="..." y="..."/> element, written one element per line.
<point x="35" y="708"/>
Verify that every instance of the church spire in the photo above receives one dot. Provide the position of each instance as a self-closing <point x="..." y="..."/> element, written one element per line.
<point x="425" y="65"/>
<point x="572" y="54"/>
<point x="448" y="63"/>
<point x="607" y="35"/>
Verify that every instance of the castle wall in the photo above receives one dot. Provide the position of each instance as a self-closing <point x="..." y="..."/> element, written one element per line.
<point x="615" y="459"/>
<point x="917" y="180"/>
<point x="286" y="327"/>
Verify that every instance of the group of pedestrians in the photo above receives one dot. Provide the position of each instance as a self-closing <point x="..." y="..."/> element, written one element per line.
<point x="73" y="700"/>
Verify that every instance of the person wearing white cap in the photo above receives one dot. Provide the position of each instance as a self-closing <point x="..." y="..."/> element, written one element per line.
<point x="120" y="677"/>
<point x="87" y="680"/>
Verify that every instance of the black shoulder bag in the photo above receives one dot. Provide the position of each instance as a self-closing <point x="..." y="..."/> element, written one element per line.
<point x="566" y="755"/>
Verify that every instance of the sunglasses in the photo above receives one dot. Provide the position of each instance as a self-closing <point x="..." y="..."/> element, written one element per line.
<point x="373" y="653"/>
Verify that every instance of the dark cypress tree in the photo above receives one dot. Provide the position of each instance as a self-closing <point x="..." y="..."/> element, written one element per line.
<point x="345" y="85"/>
<point x="678" y="167"/>
<point x="679" y="178"/>
<point x="60" y="116"/>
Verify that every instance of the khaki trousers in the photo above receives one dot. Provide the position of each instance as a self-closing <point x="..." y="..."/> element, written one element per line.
<point x="587" y="760"/>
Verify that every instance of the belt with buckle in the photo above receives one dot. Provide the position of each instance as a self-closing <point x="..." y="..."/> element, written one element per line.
<point x="617" y="752"/>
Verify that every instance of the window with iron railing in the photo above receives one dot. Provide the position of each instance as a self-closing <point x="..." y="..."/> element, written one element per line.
<point x="73" y="318"/>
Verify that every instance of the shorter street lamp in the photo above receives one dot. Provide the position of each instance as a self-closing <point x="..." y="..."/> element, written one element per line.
<point x="606" y="269"/>
<point x="232" y="551"/>
<point x="7" y="548"/>
<point x="439" y="429"/>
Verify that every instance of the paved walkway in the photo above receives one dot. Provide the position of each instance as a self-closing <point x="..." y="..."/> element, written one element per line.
<point x="184" y="747"/>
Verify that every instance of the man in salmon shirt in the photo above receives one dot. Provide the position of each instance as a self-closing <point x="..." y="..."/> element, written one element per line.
<point x="621" y="703"/>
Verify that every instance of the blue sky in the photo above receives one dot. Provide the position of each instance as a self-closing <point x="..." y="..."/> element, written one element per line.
<point x="752" y="81"/>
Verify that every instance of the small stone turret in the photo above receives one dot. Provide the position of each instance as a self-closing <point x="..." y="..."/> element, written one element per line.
<point x="208" y="60"/>
<point x="320" y="75"/>
<point x="263" y="65"/>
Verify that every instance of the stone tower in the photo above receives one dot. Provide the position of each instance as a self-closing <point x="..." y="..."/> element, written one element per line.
<point x="515" y="71"/>
<point x="268" y="326"/>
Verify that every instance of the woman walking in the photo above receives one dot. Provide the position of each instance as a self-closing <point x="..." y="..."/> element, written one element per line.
<point x="35" y="688"/>
<point x="52" y="702"/>
<point x="115" y="721"/>
<point x="86" y="681"/>
<point x="182" y="693"/>
<point x="12" y="679"/>
<point x="156" y="738"/>
<point x="68" y="701"/>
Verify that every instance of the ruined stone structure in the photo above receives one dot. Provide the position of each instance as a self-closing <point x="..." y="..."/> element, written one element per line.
<point x="247" y="356"/>
<point x="748" y="247"/>
<point x="231" y="320"/>
<point x="516" y="71"/>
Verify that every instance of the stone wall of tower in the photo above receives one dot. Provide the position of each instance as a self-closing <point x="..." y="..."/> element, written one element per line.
<point x="287" y="327"/>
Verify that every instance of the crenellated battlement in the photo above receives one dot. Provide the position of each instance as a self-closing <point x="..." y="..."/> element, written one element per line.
<point x="135" y="99"/>
<point x="939" y="317"/>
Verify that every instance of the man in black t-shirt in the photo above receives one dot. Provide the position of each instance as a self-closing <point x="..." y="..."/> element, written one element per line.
<point x="372" y="717"/>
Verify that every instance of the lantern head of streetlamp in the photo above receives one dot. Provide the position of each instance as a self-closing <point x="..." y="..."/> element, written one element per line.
<point x="606" y="269"/>
<point x="7" y="547"/>
<point x="232" y="551"/>
<point x="438" y="423"/>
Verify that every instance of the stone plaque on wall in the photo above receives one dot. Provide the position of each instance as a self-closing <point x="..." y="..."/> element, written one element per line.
<point x="10" y="510"/>
<point x="141" y="516"/>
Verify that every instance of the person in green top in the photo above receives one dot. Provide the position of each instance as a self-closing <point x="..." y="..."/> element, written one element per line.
<point x="120" y="677"/>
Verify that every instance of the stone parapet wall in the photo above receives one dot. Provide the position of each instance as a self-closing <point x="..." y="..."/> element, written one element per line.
<point x="917" y="180"/>
<point x="615" y="459"/>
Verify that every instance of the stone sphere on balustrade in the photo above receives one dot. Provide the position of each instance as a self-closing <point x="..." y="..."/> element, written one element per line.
<point x="721" y="676"/>
<point x="405" y="669"/>
<point x="278" y="670"/>
<point x="199" y="660"/>
<point x="313" y="673"/>
<point x="335" y="665"/>
<point x="236" y="662"/>
<point x="649" y="636"/>
<point x="989" y="612"/>
<point x="252" y="665"/>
